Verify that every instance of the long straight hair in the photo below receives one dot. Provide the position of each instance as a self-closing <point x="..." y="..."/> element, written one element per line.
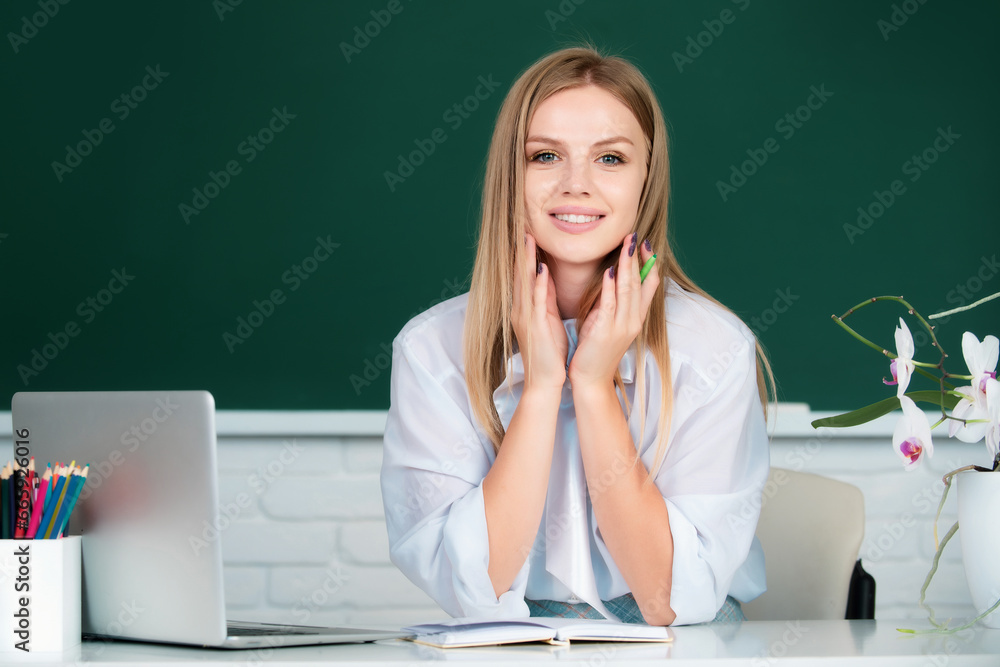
<point x="489" y="339"/>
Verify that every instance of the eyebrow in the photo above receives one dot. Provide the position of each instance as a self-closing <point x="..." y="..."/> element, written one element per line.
<point x="603" y="142"/>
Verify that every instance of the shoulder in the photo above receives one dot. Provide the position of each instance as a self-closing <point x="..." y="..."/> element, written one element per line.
<point x="434" y="337"/>
<point x="703" y="334"/>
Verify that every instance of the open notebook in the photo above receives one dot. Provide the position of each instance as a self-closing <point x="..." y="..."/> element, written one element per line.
<point x="464" y="632"/>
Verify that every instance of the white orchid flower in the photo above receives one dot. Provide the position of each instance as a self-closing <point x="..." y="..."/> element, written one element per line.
<point x="902" y="366"/>
<point x="912" y="437"/>
<point x="981" y="358"/>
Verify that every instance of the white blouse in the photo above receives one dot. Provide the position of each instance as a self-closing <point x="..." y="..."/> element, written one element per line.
<point x="436" y="457"/>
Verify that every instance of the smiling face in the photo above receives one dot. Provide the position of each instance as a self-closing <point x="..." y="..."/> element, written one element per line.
<point x="586" y="166"/>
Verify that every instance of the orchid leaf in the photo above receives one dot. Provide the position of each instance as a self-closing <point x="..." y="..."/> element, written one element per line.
<point x="884" y="407"/>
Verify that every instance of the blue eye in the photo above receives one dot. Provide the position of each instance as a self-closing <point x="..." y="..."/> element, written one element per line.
<point x="540" y="154"/>
<point x="618" y="159"/>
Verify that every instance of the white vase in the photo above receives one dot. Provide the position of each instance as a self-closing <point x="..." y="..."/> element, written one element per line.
<point x="978" y="512"/>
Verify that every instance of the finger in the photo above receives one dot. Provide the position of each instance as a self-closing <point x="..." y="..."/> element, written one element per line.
<point x="516" y="304"/>
<point x="551" y="304"/>
<point x="530" y="270"/>
<point x="627" y="279"/>
<point x="517" y="290"/>
<point x="652" y="281"/>
<point x="532" y="249"/>
<point x="609" y="300"/>
<point x="540" y="297"/>
<point x="645" y="252"/>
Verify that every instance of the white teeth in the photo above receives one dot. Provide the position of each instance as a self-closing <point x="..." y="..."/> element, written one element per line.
<point x="576" y="219"/>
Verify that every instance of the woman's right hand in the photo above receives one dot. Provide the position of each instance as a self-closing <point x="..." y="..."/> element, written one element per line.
<point x="544" y="357"/>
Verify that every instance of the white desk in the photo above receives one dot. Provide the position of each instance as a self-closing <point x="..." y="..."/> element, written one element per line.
<point x="759" y="644"/>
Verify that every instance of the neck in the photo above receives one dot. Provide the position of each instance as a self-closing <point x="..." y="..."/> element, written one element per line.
<point x="571" y="280"/>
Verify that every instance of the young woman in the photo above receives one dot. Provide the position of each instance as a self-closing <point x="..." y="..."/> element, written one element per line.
<point x="568" y="439"/>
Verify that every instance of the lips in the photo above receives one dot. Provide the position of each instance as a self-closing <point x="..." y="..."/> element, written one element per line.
<point x="576" y="210"/>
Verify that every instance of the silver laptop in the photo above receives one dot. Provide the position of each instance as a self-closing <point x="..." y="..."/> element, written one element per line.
<point x="152" y="561"/>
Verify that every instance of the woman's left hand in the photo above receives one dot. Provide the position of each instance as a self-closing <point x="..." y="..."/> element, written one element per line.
<point x="617" y="318"/>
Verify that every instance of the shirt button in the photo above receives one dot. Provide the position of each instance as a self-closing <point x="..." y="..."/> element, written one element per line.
<point x="574" y="600"/>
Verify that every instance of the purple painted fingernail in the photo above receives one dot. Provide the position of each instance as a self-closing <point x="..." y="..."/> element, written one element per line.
<point x="611" y="273"/>
<point x="539" y="268"/>
<point x="631" y="246"/>
<point x="647" y="245"/>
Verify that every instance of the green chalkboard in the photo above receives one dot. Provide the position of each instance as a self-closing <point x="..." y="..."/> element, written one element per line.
<point x="196" y="194"/>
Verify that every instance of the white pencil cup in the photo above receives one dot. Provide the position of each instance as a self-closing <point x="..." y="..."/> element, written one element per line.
<point x="39" y="595"/>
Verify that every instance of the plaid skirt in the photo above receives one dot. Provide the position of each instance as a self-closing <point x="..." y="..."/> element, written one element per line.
<point x="625" y="608"/>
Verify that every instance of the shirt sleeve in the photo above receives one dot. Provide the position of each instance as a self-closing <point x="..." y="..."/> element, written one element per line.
<point x="712" y="478"/>
<point x="434" y="463"/>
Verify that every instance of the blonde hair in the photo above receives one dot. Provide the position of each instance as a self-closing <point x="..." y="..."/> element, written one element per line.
<point x="489" y="339"/>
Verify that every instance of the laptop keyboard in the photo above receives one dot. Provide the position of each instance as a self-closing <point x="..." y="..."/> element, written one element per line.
<point x="260" y="630"/>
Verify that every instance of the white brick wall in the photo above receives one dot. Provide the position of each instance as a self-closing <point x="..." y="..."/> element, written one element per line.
<point x="306" y="541"/>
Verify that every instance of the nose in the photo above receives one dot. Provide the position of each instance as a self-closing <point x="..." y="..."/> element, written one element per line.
<point x="576" y="176"/>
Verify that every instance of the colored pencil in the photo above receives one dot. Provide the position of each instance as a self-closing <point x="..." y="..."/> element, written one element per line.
<point x="36" y="515"/>
<point x="62" y="520"/>
<point x="5" y="513"/>
<point x="51" y="506"/>
<point x="36" y="506"/>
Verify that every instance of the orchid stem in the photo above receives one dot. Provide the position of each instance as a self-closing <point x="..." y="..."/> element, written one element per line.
<point x="881" y="350"/>
<point x="942" y="383"/>
<point x="962" y="309"/>
<point x="840" y="321"/>
<point x="942" y="628"/>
